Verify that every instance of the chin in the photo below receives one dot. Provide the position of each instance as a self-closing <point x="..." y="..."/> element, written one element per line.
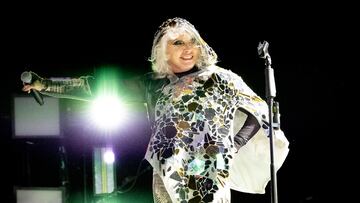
<point x="188" y="66"/>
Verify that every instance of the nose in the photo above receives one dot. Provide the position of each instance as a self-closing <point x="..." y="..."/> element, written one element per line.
<point x="194" y="44"/>
<point x="189" y="46"/>
<point x="188" y="49"/>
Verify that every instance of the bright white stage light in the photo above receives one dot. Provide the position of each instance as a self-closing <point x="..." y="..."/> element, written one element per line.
<point x="109" y="157"/>
<point x="107" y="112"/>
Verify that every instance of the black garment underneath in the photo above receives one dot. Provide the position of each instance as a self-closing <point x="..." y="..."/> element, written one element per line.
<point x="193" y="70"/>
<point x="248" y="130"/>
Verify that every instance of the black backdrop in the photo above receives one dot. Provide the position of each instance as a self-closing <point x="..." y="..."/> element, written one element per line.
<point x="310" y="78"/>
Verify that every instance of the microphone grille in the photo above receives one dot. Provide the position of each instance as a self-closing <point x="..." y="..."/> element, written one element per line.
<point x="26" y="77"/>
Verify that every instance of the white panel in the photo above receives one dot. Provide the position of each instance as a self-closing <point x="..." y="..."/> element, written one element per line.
<point x="39" y="196"/>
<point x="31" y="119"/>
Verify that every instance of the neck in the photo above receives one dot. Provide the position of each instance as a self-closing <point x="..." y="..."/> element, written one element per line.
<point x="194" y="69"/>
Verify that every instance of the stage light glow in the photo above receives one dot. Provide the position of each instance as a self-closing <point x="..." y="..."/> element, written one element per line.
<point x="107" y="111"/>
<point x="109" y="156"/>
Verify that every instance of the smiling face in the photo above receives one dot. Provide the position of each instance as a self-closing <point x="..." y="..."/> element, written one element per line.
<point x="182" y="53"/>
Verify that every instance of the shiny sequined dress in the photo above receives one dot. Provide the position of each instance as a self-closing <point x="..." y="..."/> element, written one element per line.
<point x="192" y="145"/>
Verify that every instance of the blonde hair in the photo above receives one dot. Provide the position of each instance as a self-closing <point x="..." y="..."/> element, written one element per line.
<point x="169" y="30"/>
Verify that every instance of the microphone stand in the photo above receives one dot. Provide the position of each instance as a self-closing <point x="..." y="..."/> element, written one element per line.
<point x="270" y="95"/>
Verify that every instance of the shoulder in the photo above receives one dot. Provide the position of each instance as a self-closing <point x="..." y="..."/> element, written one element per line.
<point x="233" y="80"/>
<point x="152" y="77"/>
<point x="226" y="74"/>
<point x="148" y="76"/>
<point x="152" y="80"/>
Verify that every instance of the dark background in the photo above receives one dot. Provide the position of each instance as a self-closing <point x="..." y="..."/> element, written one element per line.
<point x="311" y="61"/>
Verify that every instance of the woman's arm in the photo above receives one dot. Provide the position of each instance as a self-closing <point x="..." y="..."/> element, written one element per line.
<point x="74" y="88"/>
<point x="248" y="130"/>
<point x="85" y="88"/>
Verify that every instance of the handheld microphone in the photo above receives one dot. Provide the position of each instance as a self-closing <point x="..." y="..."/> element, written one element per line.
<point x="27" y="77"/>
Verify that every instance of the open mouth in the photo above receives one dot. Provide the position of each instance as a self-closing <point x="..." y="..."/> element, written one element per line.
<point x="186" y="57"/>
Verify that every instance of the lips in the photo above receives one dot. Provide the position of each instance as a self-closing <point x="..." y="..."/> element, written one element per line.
<point x="186" y="57"/>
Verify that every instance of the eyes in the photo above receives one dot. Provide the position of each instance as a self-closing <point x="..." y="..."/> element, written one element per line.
<point x="178" y="43"/>
<point x="181" y="44"/>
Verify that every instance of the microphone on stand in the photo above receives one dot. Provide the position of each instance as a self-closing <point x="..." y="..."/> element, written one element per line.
<point x="270" y="95"/>
<point x="28" y="78"/>
<point x="263" y="52"/>
<point x="263" y="49"/>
